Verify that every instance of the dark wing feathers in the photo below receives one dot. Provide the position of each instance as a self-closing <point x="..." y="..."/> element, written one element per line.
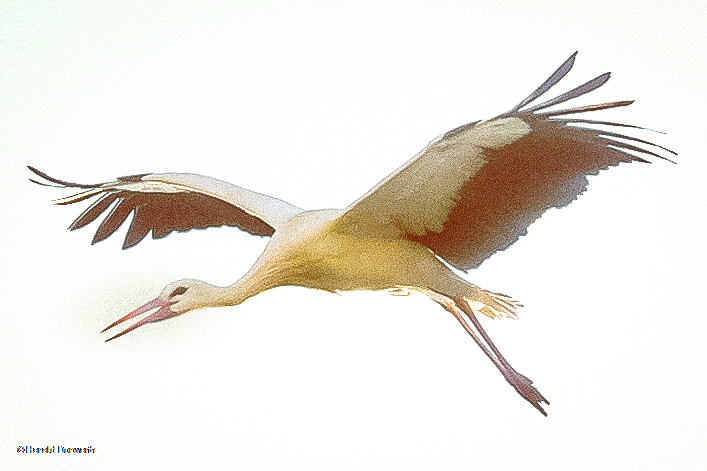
<point x="574" y="93"/>
<point x="93" y="211"/>
<point x="61" y="183"/>
<point x="546" y="168"/>
<point x="496" y="207"/>
<point x="84" y="195"/>
<point x="139" y="227"/>
<point x="583" y="109"/>
<point x="547" y="84"/>
<point x="116" y="216"/>
<point x="161" y="213"/>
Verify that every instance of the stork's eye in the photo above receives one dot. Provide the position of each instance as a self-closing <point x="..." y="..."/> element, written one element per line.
<point x="180" y="290"/>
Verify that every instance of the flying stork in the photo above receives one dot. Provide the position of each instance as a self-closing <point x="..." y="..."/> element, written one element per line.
<point x="468" y="194"/>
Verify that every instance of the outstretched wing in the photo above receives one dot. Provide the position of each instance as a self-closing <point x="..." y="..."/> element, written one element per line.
<point x="166" y="202"/>
<point x="476" y="189"/>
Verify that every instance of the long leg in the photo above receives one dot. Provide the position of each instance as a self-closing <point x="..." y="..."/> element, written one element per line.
<point x="521" y="383"/>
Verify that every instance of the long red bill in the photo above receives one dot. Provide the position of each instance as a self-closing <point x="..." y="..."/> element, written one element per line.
<point x="162" y="313"/>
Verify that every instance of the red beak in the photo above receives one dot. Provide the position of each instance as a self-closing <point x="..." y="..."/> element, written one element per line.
<point x="162" y="313"/>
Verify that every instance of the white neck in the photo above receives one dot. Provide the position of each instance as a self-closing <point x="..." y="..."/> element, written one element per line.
<point x="246" y="287"/>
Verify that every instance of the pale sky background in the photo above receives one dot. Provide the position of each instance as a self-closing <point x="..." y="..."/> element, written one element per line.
<point x="315" y="102"/>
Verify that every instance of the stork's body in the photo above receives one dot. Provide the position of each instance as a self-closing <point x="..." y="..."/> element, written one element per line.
<point x="471" y="192"/>
<point x="310" y="251"/>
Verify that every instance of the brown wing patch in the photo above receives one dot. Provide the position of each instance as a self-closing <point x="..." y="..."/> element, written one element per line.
<point x="165" y="213"/>
<point x="547" y="168"/>
<point x="160" y="209"/>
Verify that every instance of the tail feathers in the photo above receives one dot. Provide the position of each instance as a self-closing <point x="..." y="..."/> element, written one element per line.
<point x="492" y="304"/>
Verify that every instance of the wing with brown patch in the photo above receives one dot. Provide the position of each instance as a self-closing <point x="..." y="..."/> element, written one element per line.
<point x="476" y="189"/>
<point x="163" y="203"/>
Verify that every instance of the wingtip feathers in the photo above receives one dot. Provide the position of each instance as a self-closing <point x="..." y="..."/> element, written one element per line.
<point x="553" y="80"/>
<point x="64" y="184"/>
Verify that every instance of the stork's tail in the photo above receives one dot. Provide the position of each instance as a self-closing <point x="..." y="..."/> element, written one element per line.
<point x="492" y="304"/>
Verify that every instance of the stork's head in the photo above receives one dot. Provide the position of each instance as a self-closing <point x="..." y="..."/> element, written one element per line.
<point x="176" y="299"/>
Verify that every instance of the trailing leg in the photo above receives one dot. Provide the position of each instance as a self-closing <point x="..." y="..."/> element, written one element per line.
<point x="521" y="383"/>
<point x="460" y="306"/>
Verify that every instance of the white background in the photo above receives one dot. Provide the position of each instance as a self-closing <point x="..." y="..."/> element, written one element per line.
<point x="314" y="102"/>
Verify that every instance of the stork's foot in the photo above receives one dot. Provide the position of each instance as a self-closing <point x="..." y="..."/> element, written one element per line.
<point x="524" y="386"/>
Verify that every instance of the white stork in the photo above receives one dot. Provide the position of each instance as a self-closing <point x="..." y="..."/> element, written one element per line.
<point x="471" y="192"/>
